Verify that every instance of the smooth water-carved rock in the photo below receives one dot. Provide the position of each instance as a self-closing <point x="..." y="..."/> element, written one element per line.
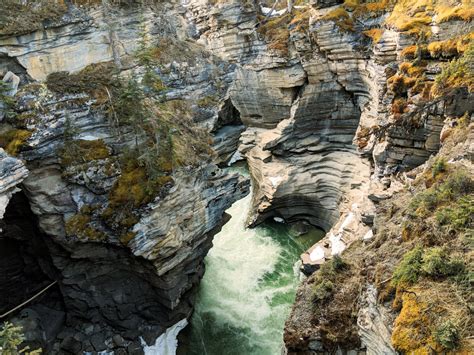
<point x="12" y="173"/>
<point x="372" y="321"/>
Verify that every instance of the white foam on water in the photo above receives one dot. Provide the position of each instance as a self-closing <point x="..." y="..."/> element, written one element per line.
<point x="167" y="343"/>
<point x="247" y="290"/>
<point x="232" y="285"/>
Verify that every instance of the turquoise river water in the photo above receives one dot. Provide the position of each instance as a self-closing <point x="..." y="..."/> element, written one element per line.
<point x="248" y="288"/>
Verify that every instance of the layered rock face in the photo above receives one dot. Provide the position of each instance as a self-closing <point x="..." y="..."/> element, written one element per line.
<point x="300" y="120"/>
<point x="131" y="270"/>
<point x="13" y="172"/>
<point x="336" y="100"/>
<point x="326" y="105"/>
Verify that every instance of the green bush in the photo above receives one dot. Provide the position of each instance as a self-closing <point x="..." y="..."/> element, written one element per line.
<point x="447" y="334"/>
<point x="437" y="262"/>
<point x="457" y="185"/>
<point x="433" y="262"/>
<point x="409" y="269"/>
<point x="439" y="166"/>
<point x="322" y="290"/>
<point x="11" y="337"/>
<point x="457" y="73"/>
<point x="7" y="103"/>
<point x="458" y="215"/>
<point x="337" y="264"/>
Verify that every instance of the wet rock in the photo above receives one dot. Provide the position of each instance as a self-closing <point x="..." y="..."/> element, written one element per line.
<point x="135" y="348"/>
<point x="300" y="228"/>
<point x="71" y="345"/>
<point x="98" y="341"/>
<point x="118" y="340"/>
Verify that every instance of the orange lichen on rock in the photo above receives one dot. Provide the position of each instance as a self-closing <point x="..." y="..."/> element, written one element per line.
<point x="411" y="333"/>
<point x="341" y="18"/>
<point x="375" y="34"/>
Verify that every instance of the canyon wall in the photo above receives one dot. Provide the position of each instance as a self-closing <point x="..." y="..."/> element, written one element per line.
<point x="329" y="105"/>
<point x="339" y="100"/>
<point x="125" y="231"/>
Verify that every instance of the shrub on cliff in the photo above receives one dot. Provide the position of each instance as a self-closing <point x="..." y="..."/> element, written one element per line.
<point x="323" y="290"/>
<point x="436" y="262"/>
<point x="20" y="17"/>
<point x="326" y="277"/>
<point x="447" y="334"/>
<point x="458" y="216"/>
<point x="11" y="337"/>
<point x="337" y="263"/>
<point x="439" y="166"/>
<point x="456" y="74"/>
<point x="448" y="193"/>
<point x="432" y="262"/>
<point x="6" y="101"/>
<point x="408" y="271"/>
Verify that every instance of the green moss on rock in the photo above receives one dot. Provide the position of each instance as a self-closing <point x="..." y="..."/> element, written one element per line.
<point x="20" y="17"/>
<point x="12" y="140"/>
<point x="83" y="151"/>
<point x="80" y="226"/>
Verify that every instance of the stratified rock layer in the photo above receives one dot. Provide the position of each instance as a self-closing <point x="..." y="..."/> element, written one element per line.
<point x="109" y="285"/>
<point x="323" y="132"/>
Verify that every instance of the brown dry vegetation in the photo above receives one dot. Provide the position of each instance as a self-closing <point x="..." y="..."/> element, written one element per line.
<point x="18" y="17"/>
<point x="97" y="80"/>
<point x="375" y="34"/>
<point x="12" y="139"/>
<point x="459" y="73"/>
<point x="276" y="33"/>
<point x="81" y="151"/>
<point x="415" y="16"/>
<point x="328" y="305"/>
<point x="165" y="139"/>
<point x="423" y="244"/>
<point x="341" y="18"/>
<point x="452" y="47"/>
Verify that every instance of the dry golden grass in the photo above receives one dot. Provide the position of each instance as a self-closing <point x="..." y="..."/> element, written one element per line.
<point x="368" y="9"/>
<point x="375" y="34"/>
<point x="300" y="20"/>
<point x="409" y="52"/>
<point x="453" y="47"/>
<point x="276" y="33"/>
<point x="336" y="14"/>
<point x="415" y="16"/>
<point x="341" y="18"/>
<point x="462" y="12"/>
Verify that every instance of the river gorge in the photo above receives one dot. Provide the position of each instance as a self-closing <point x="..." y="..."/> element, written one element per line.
<point x="248" y="288"/>
<point x="236" y="177"/>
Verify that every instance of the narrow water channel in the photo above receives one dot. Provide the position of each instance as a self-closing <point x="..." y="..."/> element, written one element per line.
<point x="248" y="287"/>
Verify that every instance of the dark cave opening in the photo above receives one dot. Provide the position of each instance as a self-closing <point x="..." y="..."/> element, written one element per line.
<point x="27" y="269"/>
<point x="228" y="115"/>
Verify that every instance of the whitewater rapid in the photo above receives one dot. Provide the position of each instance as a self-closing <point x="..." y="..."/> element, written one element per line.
<point x="247" y="289"/>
